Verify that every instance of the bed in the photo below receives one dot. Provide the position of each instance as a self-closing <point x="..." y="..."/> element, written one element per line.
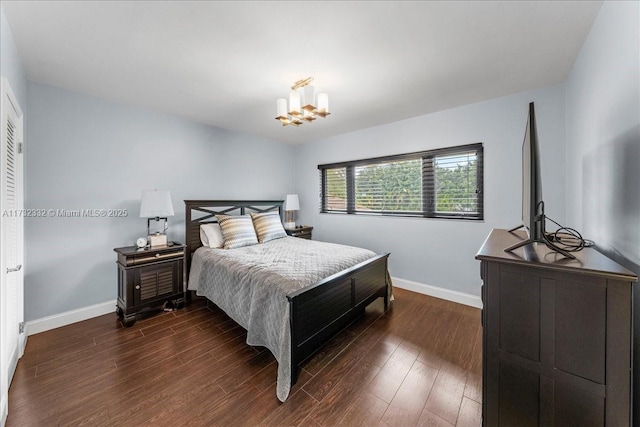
<point x="291" y="314"/>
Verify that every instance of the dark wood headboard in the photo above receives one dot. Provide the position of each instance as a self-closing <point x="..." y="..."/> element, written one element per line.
<point x="199" y="212"/>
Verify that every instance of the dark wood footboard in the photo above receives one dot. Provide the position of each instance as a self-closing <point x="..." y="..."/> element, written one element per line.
<point x="319" y="312"/>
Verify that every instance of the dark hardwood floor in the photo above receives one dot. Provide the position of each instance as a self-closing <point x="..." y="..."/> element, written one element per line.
<point x="417" y="365"/>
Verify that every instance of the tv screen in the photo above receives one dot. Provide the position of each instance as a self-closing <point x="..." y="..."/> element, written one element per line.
<point x="533" y="218"/>
<point x="531" y="181"/>
<point x="532" y="205"/>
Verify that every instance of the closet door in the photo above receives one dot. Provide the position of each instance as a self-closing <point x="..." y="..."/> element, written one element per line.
<point x="12" y="337"/>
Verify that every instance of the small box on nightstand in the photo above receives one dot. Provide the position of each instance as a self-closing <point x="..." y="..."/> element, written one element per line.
<point x="156" y="240"/>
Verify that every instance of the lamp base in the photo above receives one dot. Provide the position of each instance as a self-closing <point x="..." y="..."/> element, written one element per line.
<point x="289" y="225"/>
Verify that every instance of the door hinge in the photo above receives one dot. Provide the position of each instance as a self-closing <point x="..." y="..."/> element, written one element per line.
<point x="19" y="147"/>
<point x="21" y="327"/>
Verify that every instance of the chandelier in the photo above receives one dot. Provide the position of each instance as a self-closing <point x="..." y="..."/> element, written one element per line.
<point x="302" y="105"/>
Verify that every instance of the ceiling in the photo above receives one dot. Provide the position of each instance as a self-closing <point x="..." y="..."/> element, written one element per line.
<point x="225" y="63"/>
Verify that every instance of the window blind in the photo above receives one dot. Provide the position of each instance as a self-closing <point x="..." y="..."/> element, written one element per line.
<point x="334" y="190"/>
<point x="442" y="183"/>
<point x="393" y="186"/>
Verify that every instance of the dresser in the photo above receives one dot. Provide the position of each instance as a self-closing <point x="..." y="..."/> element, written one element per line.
<point x="557" y="336"/>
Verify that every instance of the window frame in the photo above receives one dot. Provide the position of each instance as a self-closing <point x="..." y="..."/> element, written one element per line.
<point x="428" y="183"/>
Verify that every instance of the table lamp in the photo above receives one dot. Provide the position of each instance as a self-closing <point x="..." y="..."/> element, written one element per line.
<point x="157" y="206"/>
<point x="292" y="204"/>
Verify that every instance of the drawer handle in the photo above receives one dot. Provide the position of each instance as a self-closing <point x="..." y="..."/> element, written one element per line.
<point x="137" y="286"/>
<point x="157" y="255"/>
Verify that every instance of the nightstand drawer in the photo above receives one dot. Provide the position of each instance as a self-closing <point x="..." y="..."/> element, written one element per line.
<point x="303" y="232"/>
<point x="146" y="258"/>
<point x="134" y="256"/>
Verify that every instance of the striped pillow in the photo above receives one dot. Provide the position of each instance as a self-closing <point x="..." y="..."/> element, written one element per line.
<point x="268" y="226"/>
<point x="237" y="231"/>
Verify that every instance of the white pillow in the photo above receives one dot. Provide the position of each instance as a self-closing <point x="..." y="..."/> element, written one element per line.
<point x="211" y="235"/>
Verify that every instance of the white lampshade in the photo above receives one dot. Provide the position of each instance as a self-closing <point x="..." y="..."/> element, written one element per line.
<point x="156" y="204"/>
<point x="292" y="203"/>
<point x="308" y="97"/>
<point x="281" y="108"/>
<point x="294" y="103"/>
<point x="323" y="103"/>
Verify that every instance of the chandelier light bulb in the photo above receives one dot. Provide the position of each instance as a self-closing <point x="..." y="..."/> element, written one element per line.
<point x="323" y="103"/>
<point x="308" y="100"/>
<point x="281" y="108"/>
<point x="294" y="103"/>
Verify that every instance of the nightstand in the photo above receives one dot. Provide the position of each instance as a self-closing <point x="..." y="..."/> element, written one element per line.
<point x="149" y="277"/>
<point x="302" y="231"/>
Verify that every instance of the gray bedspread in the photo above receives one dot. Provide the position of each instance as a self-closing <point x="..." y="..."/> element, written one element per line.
<point x="251" y="283"/>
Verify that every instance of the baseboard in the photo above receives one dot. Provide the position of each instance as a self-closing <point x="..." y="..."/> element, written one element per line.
<point x="63" y="319"/>
<point x="434" y="291"/>
<point x="73" y="316"/>
<point x="22" y="344"/>
<point x="4" y="409"/>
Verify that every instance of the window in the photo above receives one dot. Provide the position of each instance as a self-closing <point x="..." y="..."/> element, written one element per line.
<point x="443" y="183"/>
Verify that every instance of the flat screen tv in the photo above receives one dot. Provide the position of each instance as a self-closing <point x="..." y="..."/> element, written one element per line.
<point x="533" y="218"/>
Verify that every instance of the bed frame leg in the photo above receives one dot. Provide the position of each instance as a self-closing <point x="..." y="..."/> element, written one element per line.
<point x="294" y="374"/>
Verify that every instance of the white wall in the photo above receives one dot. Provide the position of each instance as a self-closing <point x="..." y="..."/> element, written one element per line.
<point x="603" y="133"/>
<point x="10" y="66"/>
<point x="441" y="252"/>
<point x="87" y="153"/>
<point x="603" y="145"/>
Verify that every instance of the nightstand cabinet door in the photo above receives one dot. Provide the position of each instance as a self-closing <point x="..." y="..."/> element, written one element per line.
<point x="156" y="281"/>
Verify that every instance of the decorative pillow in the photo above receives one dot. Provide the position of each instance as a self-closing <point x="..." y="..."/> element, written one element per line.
<point x="237" y="231"/>
<point x="211" y="235"/>
<point x="268" y="226"/>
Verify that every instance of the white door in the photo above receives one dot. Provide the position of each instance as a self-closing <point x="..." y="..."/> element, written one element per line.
<point x="12" y="337"/>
